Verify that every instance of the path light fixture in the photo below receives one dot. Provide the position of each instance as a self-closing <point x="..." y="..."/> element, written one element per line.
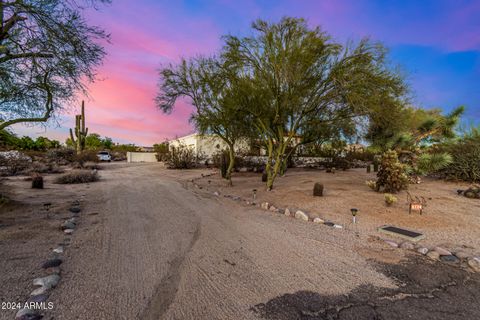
<point x="254" y="194"/>
<point x="354" y="214"/>
<point x="47" y="206"/>
<point x="209" y="181"/>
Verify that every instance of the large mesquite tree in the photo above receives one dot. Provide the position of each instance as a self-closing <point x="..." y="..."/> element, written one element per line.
<point x="299" y="76"/>
<point x="47" y="50"/>
<point x="213" y="88"/>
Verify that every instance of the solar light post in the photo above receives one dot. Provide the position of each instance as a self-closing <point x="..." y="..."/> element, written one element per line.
<point x="354" y="214"/>
<point x="254" y="194"/>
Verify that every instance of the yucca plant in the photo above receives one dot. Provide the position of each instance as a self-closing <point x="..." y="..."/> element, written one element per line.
<point x="427" y="163"/>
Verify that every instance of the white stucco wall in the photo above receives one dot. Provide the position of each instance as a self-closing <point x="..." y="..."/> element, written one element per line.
<point x="206" y="145"/>
<point x="141" y="157"/>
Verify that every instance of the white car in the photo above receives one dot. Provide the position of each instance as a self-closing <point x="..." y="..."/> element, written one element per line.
<point x="104" y="156"/>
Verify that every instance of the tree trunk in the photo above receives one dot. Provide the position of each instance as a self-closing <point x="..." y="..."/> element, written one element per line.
<point x="231" y="164"/>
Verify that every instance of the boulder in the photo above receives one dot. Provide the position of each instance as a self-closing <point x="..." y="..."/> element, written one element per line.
<point x="474" y="263"/>
<point x="337" y="226"/>
<point x="75" y="209"/>
<point x="461" y="254"/>
<point x="58" y="250"/>
<point x="38" y="298"/>
<point x="318" y="220"/>
<point x="301" y="215"/>
<point x="273" y="208"/>
<point x="442" y="251"/>
<point x="287" y="212"/>
<point x="265" y="205"/>
<point x="68" y="231"/>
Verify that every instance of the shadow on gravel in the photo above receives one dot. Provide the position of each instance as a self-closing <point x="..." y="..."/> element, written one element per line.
<point x="425" y="291"/>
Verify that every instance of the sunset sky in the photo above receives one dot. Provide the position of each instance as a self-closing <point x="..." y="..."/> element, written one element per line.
<point x="436" y="42"/>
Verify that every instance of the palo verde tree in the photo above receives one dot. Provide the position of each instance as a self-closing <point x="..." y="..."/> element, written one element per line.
<point x="299" y="76"/>
<point x="47" y="51"/>
<point x="212" y="87"/>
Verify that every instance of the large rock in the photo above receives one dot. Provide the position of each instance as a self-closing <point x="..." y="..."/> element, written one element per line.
<point x="442" y="251"/>
<point x="38" y="298"/>
<point x="39" y="291"/>
<point x="301" y="215"/>
<point x="265" y="205"/>
<point x="287" y="212"/>
<point x="461" y="254"/>
<point x="75" y="209"/>
<point x="47" y="282"/>
<point x="474" y="263"/>
<point x="273" y="209"/>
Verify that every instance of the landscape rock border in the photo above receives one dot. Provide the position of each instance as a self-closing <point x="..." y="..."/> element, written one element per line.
<point x="51" y="268"/>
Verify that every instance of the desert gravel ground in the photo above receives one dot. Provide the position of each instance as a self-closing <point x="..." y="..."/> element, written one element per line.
<point x="150" y="246"/>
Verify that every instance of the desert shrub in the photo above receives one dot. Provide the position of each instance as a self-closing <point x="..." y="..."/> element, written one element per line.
<point x="61" y="155"/>
<point x="392" y="175"/>
<point x="371" y="184"/>
<point x="181" y="157"/>
<point x="13" y="162"/>
<point x="318" y="189"/>
<point x="37" y="181"/>
<point x="91" y="165"/>
<point x="41" y="167"/>
<point x="465" y="154"/>
<point x="427" y="163"/>
<point x="390" y="199"/>
<point x="78" y="176"/>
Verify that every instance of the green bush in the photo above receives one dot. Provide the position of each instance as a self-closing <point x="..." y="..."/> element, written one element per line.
<point x="465" y="154"/>
<point x="392" y="175"/>
<point x="181" y="157"/>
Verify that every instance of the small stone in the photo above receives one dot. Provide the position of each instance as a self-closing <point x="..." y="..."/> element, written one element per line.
<point x="52" y="263"/>
<point x="265" y="205"/>
<point x="47" y="282"/>
<point x="407" y="245"/>
<point x="273" y="208"/>
<point x="301" y="215"/>
<point x="391" y="243"/>
<point x="434" y="255"/>
<point x="38" y="298"/>
<point x="68" y="225"/>
<point x="287" y="212"/>
<point x="449" y="259"/>
<point x="328" y="223"/>
<point x="474" y="263"/>
<point x="58" y="250"/>
<point x="216" y="194"/>
<point x="318" y="220"/>
<point x="422" y="250"/>
<point x="74" y="209"/>
<point x="442" y="251"/>
<point x="38" y="291"/>
<point x="68" y="231"/>
<point x="337" y="226"/>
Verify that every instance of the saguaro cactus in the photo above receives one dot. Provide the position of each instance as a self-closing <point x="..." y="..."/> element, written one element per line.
<point x="80" y="131"/>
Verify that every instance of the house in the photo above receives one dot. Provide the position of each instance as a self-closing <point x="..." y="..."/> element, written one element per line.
<point x="205" y="145"/>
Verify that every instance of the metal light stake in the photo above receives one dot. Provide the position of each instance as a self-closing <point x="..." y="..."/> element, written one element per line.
<point x="354" y="213"/>
<point x="254" y="194"/>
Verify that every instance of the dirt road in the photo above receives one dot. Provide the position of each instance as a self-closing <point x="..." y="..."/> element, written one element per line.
<point x="150" y="248"/>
